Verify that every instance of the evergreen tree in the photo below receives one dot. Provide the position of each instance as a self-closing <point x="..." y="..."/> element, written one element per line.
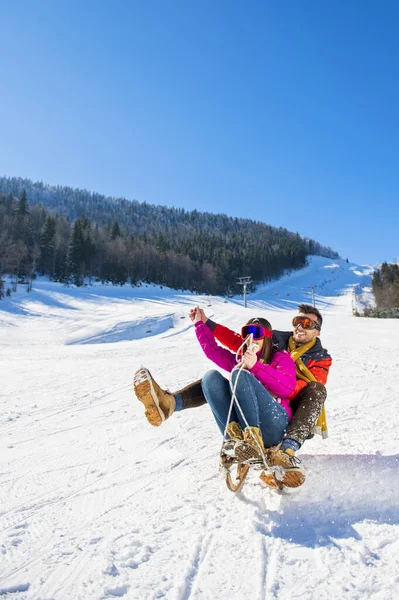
<point x="88" y="245"/>
<point x="115" y="230"/>
<point x="47" y="246"/>
<point x="23" y="206"/>
<point x="75" y="256"/>
<point x="385" y="285"/>
<point x="9" y="203"/>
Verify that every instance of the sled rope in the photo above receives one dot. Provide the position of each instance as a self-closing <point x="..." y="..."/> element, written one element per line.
<point x="234" y="399"/>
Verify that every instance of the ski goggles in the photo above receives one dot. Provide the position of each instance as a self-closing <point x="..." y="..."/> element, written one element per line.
<point x="305" y="323"/>
<point x="257" y="331"/>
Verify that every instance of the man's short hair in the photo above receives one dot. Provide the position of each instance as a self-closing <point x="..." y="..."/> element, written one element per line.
<point x="308" y="309"/>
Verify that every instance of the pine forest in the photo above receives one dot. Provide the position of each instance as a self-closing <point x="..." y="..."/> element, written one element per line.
<point x="76" y="236"/>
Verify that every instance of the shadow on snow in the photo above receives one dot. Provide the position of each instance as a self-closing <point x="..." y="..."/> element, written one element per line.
<point x="348" y="489"/>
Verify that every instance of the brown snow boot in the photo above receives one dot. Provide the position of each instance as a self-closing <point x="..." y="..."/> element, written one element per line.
<point x="234" y="431"/>
<point x="249" y="448"/>
<point x="291" y="474"/>
<point x="227" y="454"/>
<point x="159" y="404"/>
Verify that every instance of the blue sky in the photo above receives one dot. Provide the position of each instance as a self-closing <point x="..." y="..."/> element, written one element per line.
<point x="283" y="112"/>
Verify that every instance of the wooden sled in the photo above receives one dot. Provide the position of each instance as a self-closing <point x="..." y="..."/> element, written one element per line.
<point x="236" y="472"/>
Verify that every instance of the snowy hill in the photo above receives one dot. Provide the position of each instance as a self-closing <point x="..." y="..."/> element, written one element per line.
<point x="321" y="279"/>
<point x="95" y="503"/>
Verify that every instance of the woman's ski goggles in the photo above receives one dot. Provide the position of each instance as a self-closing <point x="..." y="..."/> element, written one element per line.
<point x="257" y="331"/>
<point x="306" y="323"/>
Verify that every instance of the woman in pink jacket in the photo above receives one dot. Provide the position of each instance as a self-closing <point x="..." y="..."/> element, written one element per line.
<point x="262" y="389"/>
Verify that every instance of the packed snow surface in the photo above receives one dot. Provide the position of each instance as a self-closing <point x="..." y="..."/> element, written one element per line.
<point x="95" y="503"/>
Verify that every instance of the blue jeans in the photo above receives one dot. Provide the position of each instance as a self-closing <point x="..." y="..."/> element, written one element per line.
<point x="259" y="407"/>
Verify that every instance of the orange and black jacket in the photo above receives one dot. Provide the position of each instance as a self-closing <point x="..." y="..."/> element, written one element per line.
<point x="317" y="359"/>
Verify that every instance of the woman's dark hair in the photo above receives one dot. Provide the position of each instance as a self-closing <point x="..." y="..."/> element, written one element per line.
<point x="268" y="348"/>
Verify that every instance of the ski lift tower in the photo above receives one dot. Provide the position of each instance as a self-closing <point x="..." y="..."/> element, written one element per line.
<point x="244" y="281"/>
<point x="313" y="298"/>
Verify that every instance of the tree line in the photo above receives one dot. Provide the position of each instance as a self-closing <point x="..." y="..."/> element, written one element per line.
<point x="385" y="283"/>
<point x="182" y="250"/>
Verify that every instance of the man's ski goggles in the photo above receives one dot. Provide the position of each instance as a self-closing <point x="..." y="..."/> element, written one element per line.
<point x="258" y="332"/>
<point x="306" y="323"/>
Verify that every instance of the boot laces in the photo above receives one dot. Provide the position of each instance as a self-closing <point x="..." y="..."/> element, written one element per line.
<point x="294" y="460"/>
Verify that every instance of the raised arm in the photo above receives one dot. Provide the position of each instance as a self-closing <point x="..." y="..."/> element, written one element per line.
<point x="220" y="356"/>
<point x="225" y="336"/>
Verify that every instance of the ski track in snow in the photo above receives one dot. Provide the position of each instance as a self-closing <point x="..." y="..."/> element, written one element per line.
<point x="97" y="504"/>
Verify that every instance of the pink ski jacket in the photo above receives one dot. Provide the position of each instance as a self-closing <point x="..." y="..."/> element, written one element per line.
<point x="279" y="377"/>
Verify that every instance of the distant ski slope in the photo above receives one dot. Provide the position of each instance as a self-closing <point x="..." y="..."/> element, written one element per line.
<point x="322" y="278"/>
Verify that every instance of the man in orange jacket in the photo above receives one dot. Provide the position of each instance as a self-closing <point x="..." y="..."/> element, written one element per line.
<point x="307" y="400"/>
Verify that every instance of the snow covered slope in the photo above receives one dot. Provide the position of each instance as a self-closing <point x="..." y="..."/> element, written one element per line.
<point x="95" y="503"/>
<point x="321" y="279"/>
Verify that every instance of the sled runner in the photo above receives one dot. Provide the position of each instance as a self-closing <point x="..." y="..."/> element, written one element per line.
<point x="236" y="470"/>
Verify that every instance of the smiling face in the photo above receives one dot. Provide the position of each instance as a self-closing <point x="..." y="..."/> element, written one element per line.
<point x="304" y="336"/>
